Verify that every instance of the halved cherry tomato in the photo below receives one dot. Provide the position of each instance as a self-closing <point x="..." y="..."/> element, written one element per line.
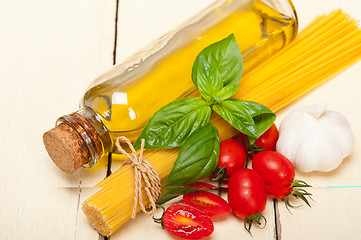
<point x="275" y="169"/>
<point x="212" y="204"/>
<point x="185" y="221"/>
<point x="246" y="193"/>
<point x="232" y="155"/>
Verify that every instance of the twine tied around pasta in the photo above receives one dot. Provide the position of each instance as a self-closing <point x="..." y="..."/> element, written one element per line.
<point x="143" y="170"/>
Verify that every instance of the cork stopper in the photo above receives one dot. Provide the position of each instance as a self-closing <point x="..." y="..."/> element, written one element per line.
<point x="66" y="148"/>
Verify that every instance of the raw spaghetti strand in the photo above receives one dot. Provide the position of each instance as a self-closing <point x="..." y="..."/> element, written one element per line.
<point x="143" y="170"/>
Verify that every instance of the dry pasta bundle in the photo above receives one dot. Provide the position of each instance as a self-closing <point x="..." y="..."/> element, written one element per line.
<point x="328" y="45"/>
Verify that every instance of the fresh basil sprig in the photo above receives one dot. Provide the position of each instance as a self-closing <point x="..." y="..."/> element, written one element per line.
<point x="185" y="122"/>
<point x="216" y="73"/>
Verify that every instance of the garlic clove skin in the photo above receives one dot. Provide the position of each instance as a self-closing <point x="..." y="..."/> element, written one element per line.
<point x="315" y="139"/>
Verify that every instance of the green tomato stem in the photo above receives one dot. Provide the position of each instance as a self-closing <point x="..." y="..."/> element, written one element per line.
<point x="298" y="192"/>
<point x="221" y="175"/>
<point x="159" y="220"/>
<point x="254" y="218"/>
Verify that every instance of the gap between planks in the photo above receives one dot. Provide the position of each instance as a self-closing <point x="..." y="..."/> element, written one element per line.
<point x="77" y="210"/>
<point x="277" y="220"/>
<point x="109" y="165"/>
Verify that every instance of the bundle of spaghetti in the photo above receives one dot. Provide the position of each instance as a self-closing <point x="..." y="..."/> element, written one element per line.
<point x="327" y="46"/>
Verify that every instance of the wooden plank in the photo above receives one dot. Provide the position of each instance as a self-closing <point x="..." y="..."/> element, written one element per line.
<point x="50" y="52"/>
<point x="335" y="214"/>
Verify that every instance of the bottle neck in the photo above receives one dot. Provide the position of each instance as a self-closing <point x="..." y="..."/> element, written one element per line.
<point x="91" y="129"/>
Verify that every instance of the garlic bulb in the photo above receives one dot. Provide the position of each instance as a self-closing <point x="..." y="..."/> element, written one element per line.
<point x="315" y="139"/>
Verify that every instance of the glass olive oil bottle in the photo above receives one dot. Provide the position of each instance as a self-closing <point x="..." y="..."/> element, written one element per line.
<point x="121" y="101"/>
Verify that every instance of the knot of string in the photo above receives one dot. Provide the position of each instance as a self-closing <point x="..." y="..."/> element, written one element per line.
<point x="143" y="172"/>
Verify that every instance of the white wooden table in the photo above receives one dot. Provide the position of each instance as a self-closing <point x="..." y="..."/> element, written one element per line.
<point x="49" y="53"/>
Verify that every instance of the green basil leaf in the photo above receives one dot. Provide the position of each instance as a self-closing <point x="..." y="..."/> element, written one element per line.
<point x="208" y="79"/>
<point x="228" y="91"/>
<point x="237" y="115"/>
<point x="250" y="118"/>
<point x="171" y="125"/>
<point x="262" y="116"/>
<point x="226" y="57"/>
<point x="173" y="192"/>
<point x="197" y="158"/>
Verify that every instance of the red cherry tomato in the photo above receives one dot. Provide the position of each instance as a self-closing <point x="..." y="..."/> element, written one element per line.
<point x="268" y="139"/>
<point x="231" y="155"/>
<point x="246" y="193"/>
<point x="184" y="221"/>
<point x="275" y="169"/>
<point x="212" y="204"/>
<point x="278" y="192"/>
